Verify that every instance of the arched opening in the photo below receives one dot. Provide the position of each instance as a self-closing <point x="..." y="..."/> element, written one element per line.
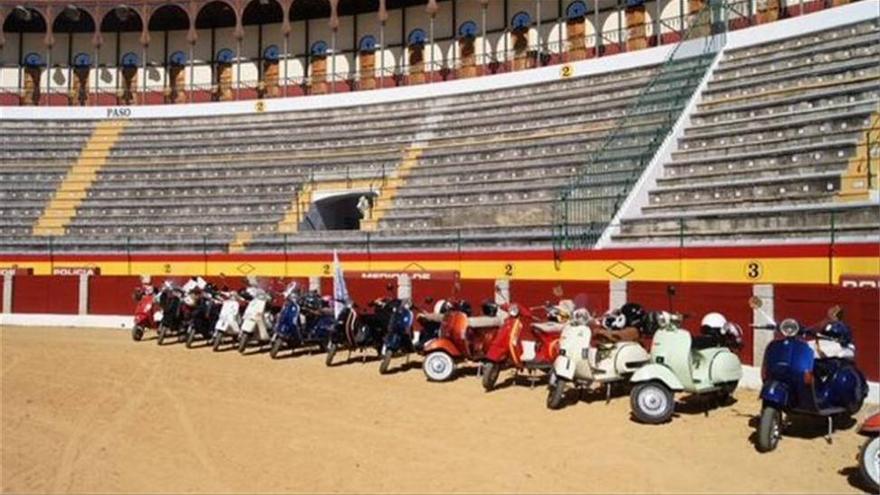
<point x="165" y="19"/>
<point x="257" y="13"/>
<point x="367" y="62"/>
<point x="467" y="34"/>
<point x="124" y="19"/>
<point x="69" y="21"/>
<point x="519" y="33"/>
<point x="342" y="211"/>
<point x="23" y="20"/>
<point x="415" y="43"/>
<point x="211" y="17"/>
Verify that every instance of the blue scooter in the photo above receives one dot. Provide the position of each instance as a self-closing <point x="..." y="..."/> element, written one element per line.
<point x="402" y="338"/>
<point x="797" y="382"/>
<point x="303" y="322"/>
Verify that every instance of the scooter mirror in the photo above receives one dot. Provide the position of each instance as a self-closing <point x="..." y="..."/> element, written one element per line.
<point x="835" y="312"/>
<point x="755" y="302"/>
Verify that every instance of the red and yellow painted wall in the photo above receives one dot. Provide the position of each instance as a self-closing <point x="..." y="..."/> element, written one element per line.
<point x="779" y="264"/>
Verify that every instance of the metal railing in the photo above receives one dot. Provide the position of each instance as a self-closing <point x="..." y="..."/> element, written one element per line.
<point x="601" y="185"/>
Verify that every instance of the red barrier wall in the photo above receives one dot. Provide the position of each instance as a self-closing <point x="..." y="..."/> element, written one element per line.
<point x="697" y="299"/>
<point x="590" y="295"/>
<point x="362" y="290"/>
<point x="809" y="305"/>
<point x="45" y="294"/>
<point x="112" y="295"/>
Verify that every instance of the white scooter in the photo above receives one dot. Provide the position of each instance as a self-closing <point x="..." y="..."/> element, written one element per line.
<point x="582" y="362"/>
<point x="680" y="363"/>
<point x="256" y="318"/>
<point x="229" y="320"/>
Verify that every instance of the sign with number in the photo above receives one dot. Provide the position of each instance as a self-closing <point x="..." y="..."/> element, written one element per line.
<point x="260" y="106"/>
<point x="754" y="270"/>
<point x="566" y="70"/>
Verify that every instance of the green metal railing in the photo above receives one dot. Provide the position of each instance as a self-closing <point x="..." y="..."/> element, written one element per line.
<point x="601" y="185"/>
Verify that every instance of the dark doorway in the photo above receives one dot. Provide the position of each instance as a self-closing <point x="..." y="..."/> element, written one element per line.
<point x="338" y="212"/>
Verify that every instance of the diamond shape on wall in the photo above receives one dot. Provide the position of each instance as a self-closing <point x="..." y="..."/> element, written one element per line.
<point x="245" y="268"/>
<point x="620" y="270"/>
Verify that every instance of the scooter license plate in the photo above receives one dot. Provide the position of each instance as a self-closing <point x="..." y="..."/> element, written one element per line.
<point x="157" y="316"/>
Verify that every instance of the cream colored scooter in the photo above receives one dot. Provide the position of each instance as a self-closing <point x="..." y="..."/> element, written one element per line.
<point x="582" y="362"/>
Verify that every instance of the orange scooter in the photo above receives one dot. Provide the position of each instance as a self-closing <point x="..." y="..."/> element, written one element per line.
<point x="462" y="338"/>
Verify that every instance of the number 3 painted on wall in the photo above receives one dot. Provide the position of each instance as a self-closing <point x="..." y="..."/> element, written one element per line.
<point x="754" y="270"/>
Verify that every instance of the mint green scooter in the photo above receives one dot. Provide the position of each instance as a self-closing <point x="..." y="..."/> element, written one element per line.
<point x="681" y="363"/>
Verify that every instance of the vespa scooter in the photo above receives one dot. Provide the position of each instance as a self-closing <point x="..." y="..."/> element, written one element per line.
<point x="461" y="338"/>
<point x="289" y="321"/>
<point x="229" y="319"/>
<point x="404" y="338"/>
<point x="257" y="319"/>
<point x="147" y="313"/>
<point x="679" y="363"/>
<point x="584" y="360"/>
<point x="524" y="344"/>
<point x="798" y="382"/>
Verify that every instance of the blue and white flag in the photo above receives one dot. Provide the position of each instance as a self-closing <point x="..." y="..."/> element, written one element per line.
<point x="340" y="293"/>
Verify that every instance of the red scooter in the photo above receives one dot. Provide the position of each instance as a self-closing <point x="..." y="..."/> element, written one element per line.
<point x="523" y="344"/>
<point x="147" y="315"/>
<point x="869" y="454"/>
<point x="461" y="338"/>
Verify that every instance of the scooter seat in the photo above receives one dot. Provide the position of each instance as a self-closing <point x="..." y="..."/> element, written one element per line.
<point x="484" y="321"/>
<point x="433" y="317"/>
<point x="548" y="327"/>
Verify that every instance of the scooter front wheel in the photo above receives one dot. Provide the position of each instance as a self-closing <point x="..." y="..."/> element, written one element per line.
<point x="163" y="330"/>
<point x="556" y="394"/>
<point x="190" y="337"/>
<point x="243" y="341"/>
<point x="386" y="361"/>
<point x="276" y="346"/>
<point x="490" y="375"/>
<point x="331" y="353"/>
<point x="218" y="339"/>
<point x="137" y="333"/>
<point x="652" y="403"/>
<point x="769" y="429"/>
<point x="869" y="463"/>
<point x="438" y="366"/>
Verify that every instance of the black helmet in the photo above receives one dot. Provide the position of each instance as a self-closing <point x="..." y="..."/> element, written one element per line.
<point x="490" y="308"/>
<point x="634" y="314"/>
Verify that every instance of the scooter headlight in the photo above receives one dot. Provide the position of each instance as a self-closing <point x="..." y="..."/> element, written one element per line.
<point x="514" y="310"/>
<point x="789" y="327"/>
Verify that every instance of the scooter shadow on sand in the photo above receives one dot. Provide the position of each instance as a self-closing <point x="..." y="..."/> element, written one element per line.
<point x="362" y="358"/>
<point x="696" y="405"/>
<point x="805" y="427"/>
<point x="402" y="368"/>
<point x="853" y="477"/>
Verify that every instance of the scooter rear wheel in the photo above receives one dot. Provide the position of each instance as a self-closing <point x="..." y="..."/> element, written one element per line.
<point x="652" y="403"/>
<point x="556" y="394"/>
<point x="769" y="429"/>
<point x="869" y="464"/>
<point x="438" y="366"/>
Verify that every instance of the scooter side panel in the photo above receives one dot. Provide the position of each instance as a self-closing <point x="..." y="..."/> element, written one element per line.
<point x="442" y="344"/>
<point x="628" y="357"/>
<point x="847" y="387"/>
<point x="654" y="371"/>
<point x="671" y="349"/>
<point x="724" y="367"/>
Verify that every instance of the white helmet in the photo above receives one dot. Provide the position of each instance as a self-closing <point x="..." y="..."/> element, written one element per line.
<point x="713" y="320"/>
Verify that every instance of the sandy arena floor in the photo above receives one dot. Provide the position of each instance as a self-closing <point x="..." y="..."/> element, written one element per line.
<point x="92" y="411"/>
